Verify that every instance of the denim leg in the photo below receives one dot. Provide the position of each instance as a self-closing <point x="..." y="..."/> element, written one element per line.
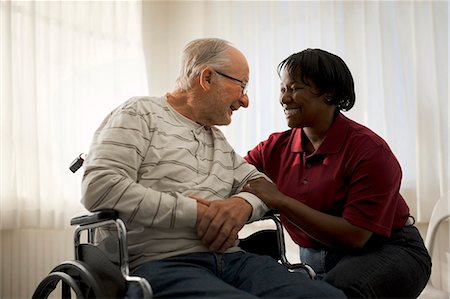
<point x="314" y="258"/>
<point x="231" y="275"/>
<point x="398" y="269"/>
<point x="264" y="277"/>
<point x="188" y="276"/>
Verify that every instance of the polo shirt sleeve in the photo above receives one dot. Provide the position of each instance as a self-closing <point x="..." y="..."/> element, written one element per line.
<point x="374" y="184"/>
<point x="255" y="156"/>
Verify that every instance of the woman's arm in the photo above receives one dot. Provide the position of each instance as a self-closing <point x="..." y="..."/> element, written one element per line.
<point x="332" y="231"/>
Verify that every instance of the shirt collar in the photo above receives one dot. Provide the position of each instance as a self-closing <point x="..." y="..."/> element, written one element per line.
<point x="333" y="141"/>
<point x="181" y="118"/>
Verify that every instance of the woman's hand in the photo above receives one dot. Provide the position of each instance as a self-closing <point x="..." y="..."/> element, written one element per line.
<point x="265" y="190"/>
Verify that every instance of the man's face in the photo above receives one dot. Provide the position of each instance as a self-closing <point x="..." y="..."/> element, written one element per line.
<point x="228" y="93"/>
<point x="227" y="99"/>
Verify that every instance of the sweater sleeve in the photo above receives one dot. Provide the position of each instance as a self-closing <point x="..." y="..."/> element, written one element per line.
<point x="245" y="172"/>
<point x="111" y="178"/>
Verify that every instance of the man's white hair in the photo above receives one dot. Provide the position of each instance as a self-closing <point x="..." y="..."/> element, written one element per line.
<point x="201" y="53"/>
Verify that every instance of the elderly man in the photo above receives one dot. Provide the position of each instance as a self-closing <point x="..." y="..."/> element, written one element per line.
<point x="176" y="182"/>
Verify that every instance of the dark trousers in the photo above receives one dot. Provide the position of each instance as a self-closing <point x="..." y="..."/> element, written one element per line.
<point x="232" y="275"/>
<point x="395" y="267"/>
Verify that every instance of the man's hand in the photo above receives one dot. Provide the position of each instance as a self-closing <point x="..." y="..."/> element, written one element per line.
<point x="265" y="190"/>
<point x="219" y="221"/>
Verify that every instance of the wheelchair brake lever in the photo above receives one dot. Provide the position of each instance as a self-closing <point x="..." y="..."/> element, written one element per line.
<point x="77" y="163"/>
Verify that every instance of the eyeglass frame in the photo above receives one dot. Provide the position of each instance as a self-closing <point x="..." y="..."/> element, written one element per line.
<point x="243" y="84"/>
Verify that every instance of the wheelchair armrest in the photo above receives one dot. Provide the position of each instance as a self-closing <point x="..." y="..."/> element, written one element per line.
<point x="271" y="214"/>
<point x="280" y="253"/>
<point x="91" y="221"/>
<point x="95" y="217"/>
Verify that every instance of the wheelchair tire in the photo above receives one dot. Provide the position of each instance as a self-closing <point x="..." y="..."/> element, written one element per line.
<point x="76" y="275"/>
<point x="49" y="283"/>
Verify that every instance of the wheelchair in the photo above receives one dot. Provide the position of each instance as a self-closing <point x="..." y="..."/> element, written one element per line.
<point x="101" y="271"/>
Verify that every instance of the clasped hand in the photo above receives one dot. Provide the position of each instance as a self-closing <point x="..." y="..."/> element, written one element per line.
<point x="219" y="221"/>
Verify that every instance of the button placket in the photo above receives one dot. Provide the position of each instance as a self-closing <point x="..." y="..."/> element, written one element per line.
<point x="198" y="149"/>
<point x="203" y="153"/>
<point x="307" y="166"/>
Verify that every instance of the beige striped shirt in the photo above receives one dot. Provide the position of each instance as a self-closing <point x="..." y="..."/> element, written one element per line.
<point x="147" y="161"/>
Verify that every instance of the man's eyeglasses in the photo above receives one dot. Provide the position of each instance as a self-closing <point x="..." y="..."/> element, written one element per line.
<point x="243" y="84"/>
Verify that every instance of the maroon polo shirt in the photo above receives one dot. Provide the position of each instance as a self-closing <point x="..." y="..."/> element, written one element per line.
<point x="353" y="174"/>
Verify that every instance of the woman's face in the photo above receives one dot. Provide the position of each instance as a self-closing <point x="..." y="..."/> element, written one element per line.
<point x="302" y="103"/>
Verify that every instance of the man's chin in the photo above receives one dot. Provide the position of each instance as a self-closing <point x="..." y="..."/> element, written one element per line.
<point x="224" y="122"/>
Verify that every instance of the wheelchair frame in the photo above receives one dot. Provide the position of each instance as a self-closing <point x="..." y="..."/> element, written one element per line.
<point x="90" y="289"/>
<point x="82" y="278"/>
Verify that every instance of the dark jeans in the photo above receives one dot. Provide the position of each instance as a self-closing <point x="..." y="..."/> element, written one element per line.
<point x="231" y="275"/>
<point x="395" y="267"/>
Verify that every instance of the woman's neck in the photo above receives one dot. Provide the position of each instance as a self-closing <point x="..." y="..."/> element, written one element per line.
<point x="316" y="135"/>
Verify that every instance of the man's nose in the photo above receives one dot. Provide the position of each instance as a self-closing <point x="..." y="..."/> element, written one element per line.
<point x="244" y="101"/>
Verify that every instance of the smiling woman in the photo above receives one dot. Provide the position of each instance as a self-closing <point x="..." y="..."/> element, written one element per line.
<point x="337" y="186"/>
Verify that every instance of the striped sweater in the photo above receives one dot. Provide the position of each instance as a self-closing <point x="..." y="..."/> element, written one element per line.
<point x="147" y="161"/>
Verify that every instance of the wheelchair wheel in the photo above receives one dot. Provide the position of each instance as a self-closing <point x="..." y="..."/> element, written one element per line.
<point x="74" y="276"/>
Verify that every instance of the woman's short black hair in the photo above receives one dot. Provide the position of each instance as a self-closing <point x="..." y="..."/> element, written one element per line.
<point x="327" y="71"/>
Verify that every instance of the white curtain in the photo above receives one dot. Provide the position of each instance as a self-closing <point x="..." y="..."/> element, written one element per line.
<point x="397" y="52"/>
<point x="64" y="66"/>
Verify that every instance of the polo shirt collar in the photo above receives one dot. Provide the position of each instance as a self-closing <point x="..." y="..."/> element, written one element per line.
<point x="333" y="141"/>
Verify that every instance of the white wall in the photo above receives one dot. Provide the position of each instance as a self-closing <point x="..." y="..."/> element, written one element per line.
<point x="27" y="256"/>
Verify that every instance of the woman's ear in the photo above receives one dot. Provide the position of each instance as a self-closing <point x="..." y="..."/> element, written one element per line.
<point x="329" y="97"/>
<point x="205" y="78"/>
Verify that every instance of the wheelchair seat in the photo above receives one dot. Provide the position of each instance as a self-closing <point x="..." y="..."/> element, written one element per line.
<point x="96" y="273"/>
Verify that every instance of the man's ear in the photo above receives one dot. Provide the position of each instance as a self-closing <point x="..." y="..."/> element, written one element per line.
<point x="205" y="78"/>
